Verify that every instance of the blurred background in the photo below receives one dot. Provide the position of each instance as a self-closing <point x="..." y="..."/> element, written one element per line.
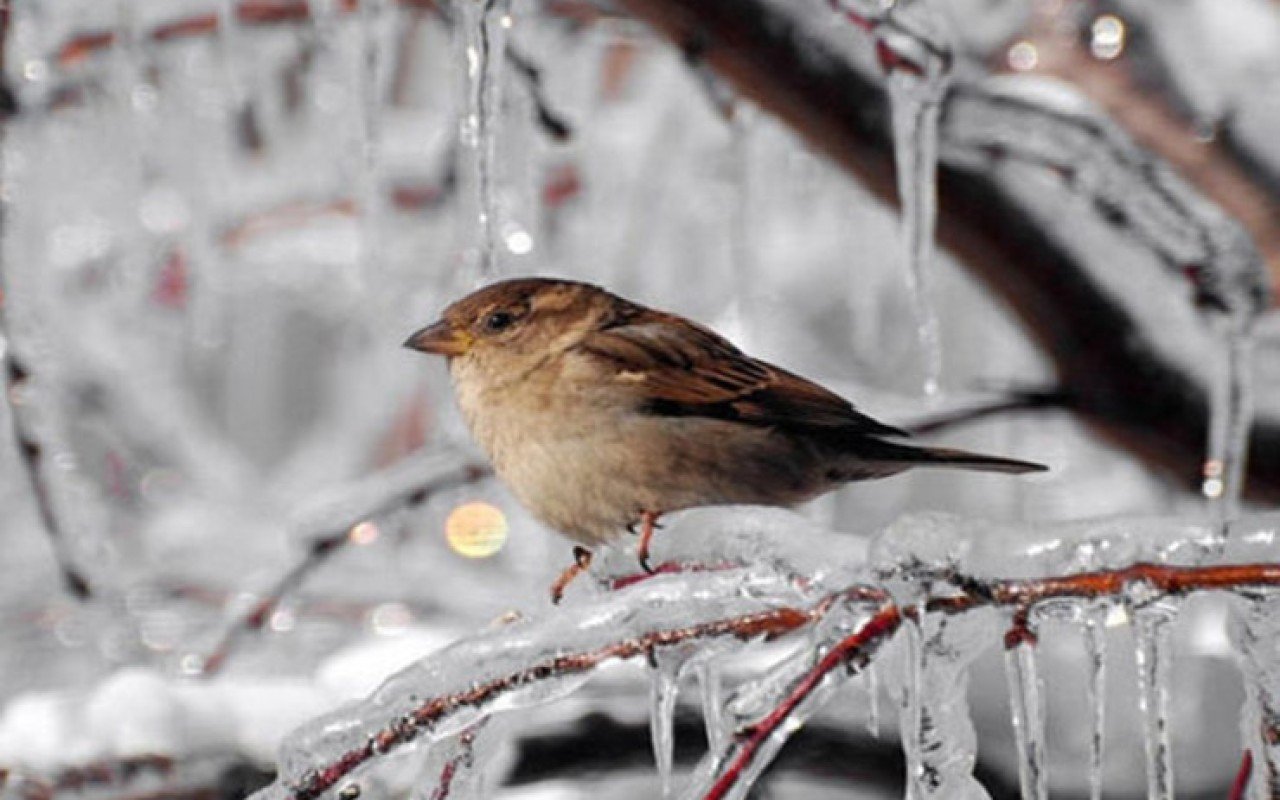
<point x="221" y="219"/>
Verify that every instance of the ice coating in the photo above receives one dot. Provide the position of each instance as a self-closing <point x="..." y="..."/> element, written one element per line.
<point x="454" y="769"/>
<point x="795" y="683"/>
<point x="1151" y="632"/>
<point x="942" y="542"/>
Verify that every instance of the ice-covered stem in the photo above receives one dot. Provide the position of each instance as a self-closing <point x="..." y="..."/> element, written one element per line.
<point x="338" y="522"/>
<point x="752" y="744"/>
<point x="31" y="458"/>
<point x="1109" y="351"/>
<point x="427" y="715"/>
<point x="17" y="377"/>
<point x="749" y="743"/>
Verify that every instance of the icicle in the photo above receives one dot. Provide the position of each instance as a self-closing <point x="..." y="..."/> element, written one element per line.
<point x="373" y="65"/>
<point x="919" y="70"/>
<point x="483" y="26"/>
<point x="735" y="319"/>
<point x="1026" y="699"/>
<point x="1095" y="642"/>
<point x="1151" y="631"/>
<point x="663" y="692"/>
<point x="1231" y="416"/>
<point x="873" y="700"/>
<point x="710" y="681"/>
<point x="1256" y="636"/>
<point x="909" y="705"/>
<point x="454" y="769"/>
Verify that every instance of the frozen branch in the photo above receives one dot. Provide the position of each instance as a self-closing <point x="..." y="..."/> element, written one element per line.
<point x="932" y="567"/>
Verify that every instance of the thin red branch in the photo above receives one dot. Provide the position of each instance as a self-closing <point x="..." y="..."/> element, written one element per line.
<point x="876" y="629"/>
<point x="1241" y="783"/>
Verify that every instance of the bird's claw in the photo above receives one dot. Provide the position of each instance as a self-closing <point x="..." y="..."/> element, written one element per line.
<point x="581" y="562"/>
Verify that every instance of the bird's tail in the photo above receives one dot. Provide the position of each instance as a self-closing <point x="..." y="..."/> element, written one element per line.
<point x="909" y="456"/>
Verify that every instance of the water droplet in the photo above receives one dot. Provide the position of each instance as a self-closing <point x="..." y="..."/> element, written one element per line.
<point x="390" y="619"/>
<point x="1023" y="57"/>
<point x="1107" y="37"/>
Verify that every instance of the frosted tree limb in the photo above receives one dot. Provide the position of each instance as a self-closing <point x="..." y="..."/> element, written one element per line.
<point x="852" y="652"/>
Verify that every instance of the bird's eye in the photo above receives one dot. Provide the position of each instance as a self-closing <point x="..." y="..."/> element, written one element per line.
<point x="498" y="321"/>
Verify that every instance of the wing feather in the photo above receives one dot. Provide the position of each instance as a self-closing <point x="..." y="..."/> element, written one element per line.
<point x="689" y="370"/>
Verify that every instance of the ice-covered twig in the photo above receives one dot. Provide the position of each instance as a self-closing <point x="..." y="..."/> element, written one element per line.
<point x="31" y="458"/>
<point x="751" y="741"/>
<point x="529" y="663"/>
<point x="335" y="521"/>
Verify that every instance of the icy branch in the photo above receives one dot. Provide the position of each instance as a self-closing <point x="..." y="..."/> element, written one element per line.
<point x="931" y="566"/>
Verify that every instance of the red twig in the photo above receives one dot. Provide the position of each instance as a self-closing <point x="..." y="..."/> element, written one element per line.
<point x="1241" y="783"/>
<point x="854" y="647"/>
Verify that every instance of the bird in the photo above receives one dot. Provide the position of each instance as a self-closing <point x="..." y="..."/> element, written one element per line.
<point x="602" y="414"/>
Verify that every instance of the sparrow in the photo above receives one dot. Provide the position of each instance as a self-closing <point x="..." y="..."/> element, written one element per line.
<point x="600" y="413"/>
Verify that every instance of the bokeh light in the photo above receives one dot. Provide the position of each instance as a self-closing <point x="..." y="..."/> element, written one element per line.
<point x="476" y="529"/>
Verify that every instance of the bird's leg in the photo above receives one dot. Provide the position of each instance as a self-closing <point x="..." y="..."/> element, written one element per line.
<point x="648" y="524"/>
<point x="581" y="560"/>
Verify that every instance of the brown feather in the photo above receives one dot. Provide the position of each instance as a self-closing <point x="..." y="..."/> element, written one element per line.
<point x="689" y="370"/>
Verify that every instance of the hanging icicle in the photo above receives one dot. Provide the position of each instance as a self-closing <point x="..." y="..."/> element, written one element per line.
<point x="481" y="28"/>
<point x="1151" y="631"/>
<point x="1095" y="642"/>
<point x="1026" y="700"/>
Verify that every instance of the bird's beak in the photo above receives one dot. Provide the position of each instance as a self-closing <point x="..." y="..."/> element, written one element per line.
<point x="440" y="338"/>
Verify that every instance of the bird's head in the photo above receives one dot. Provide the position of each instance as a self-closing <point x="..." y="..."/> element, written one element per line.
<point x="515" y="320"/>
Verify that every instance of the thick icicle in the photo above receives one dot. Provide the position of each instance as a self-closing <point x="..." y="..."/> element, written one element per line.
<point x="1231" y="410"/>
<point x="481" y="29"/>
<point x="1026" y="700"/>
<point x="917" y="57"/>
<point x="373" y="65"/>
<point x="916" y="103"/>
<point x="1151" y="631"/>
<point x="873" y="700"/>
<point x="944" y="750"/>
<point x="909" y="705"/>
<point x="664" y="689"/>
<point x="1256" y="635"/>
<point x="711" y="683"/>
<point x="1095" y="643"/>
